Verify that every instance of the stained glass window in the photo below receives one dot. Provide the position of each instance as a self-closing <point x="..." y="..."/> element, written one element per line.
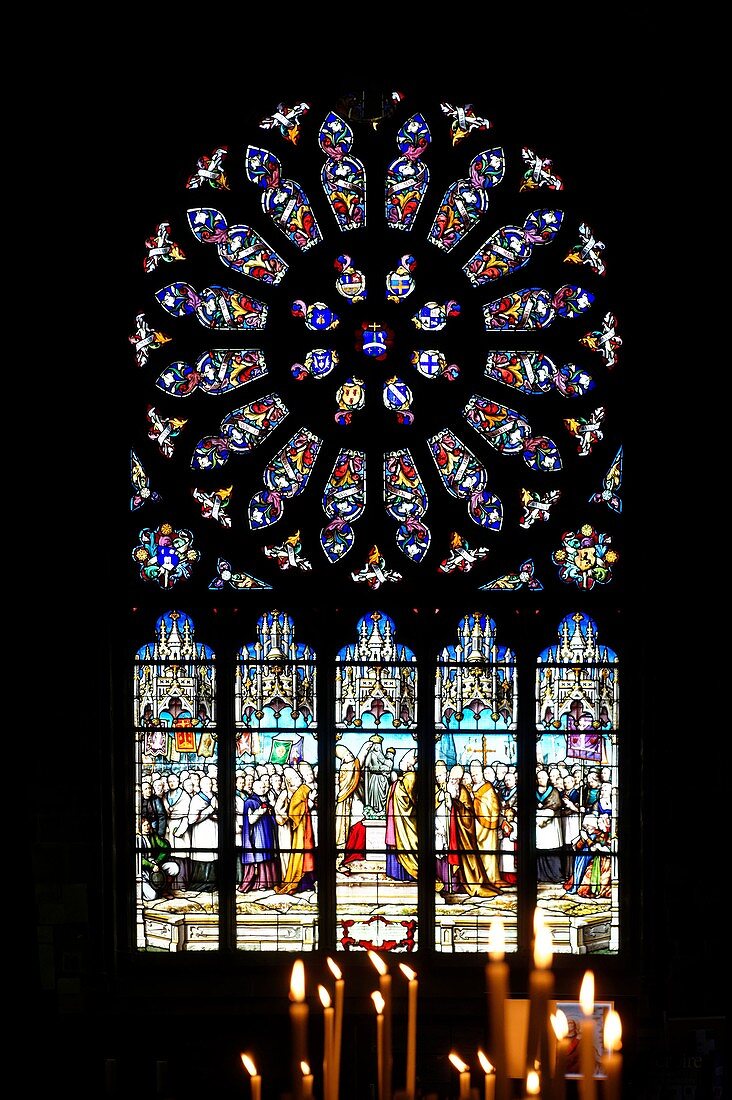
<point x="376" y="789"/>
<point x="374" y="431"/>
<point x="276" y="798"/>
<point x="176" y="789"/>
<point x="577" y="722"/>
<point x="476" y="811"/>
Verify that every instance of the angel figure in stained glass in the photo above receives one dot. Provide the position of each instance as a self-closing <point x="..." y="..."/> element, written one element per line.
<point x="587" y="251"/>
<point x="286" y="120"/>
<point x="537" y="506"/>
<point x="461" y="557"/>
<point x="146" y="339"/>
<point x="538" y="172"/>
<point x="604" y="340"/>
<point x="164" y="430"/>
<point x="587" y="430"/>
<point x="213" y="504"/>
<point x="288" y="554"/>
<point x="463" y="120"/>
<point x="375" y="571"/>
<point x="209" y="170"/>
<point x="161" y="248"/>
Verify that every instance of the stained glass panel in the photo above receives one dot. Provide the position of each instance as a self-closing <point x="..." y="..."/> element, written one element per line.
<point x="276" y="800"/>
<point x="577" y="718"/>
<point x="376" y="790"/>
<point x="476" y="809"/>
<point x="530" y="372"/>
<point x="176" y="785"/>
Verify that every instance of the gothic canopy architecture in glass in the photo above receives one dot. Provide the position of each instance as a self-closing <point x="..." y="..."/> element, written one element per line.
<point x="372" y="556"/>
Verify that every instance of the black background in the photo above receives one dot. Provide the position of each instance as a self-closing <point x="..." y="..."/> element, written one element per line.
<point x="111" y="127"/>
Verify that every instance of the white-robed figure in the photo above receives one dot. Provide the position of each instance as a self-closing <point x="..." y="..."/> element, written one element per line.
<point x="202" y="818"/>
<point x="177" y="802"/>
<point x="548" y="829"/>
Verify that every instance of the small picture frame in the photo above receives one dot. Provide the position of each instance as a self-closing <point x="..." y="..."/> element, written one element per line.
<point x="573" y="1011"/>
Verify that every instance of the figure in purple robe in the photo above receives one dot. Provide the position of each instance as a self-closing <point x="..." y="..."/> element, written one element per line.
<point x="261" y="868"/>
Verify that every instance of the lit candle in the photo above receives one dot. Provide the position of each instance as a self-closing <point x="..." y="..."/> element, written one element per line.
<point x="561" y="1030"/>
<point x="533" y="1084"/>
<point x="587" y="1089"/>
<point x="255" y="1079"/>
<point x="299" y="1022"/>
<point x="496" y="973"/>
<point x="612" y="1063"/>
<point x="411" y="1085"/>
<point x="379" y="1006"/>
<point x="385" y="990"/>
<point x="307" y="1081"/>
<point x="327" y="1042"/>
<point x="541" y="987"/>
<point x="337" y="1029"/>
<point x="464" y="1072"/>
<point x="490" y="1076"/>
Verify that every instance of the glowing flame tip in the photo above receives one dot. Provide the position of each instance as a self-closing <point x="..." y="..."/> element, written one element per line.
<point x="378" y="962"/>
<point x="587" y="993"/>
<point x="248" y="1064"/>
<point x="457" y="1061"/>
<point x="334" y="969"/>
<point x="297" y="981"/>
<point x="559" y="1024"/>
<point x="613" y="1031"/>
<point x="487" y="1067"/>
<point x="543" y="948"/>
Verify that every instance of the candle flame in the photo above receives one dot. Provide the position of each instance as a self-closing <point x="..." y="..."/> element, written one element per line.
<point x="538" y="919"/>
<point x="613" y="1031"/>
<point x="248" y="1064"/>
<point x="559" y="1024"/>
<point x="407" y="971"/>
<point x="543" y="948"/>
<point x="297" y="981"/>
<point x="324" y="996"/>
<point x="496" y="940"/>
<point x="457" y="1061"/>
<point x="378" y="1000"/>
<point x="378" y="962"/>
<point x="487" y="1067"/>
<point x="533" y="1084"/>
<point x="305" y="1067"/>
<point x="587" y="993"/>
<point x="334" y="969"/>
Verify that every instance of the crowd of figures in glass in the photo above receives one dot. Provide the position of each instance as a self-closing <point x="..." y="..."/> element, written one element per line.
<point x="376" y="348"/>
